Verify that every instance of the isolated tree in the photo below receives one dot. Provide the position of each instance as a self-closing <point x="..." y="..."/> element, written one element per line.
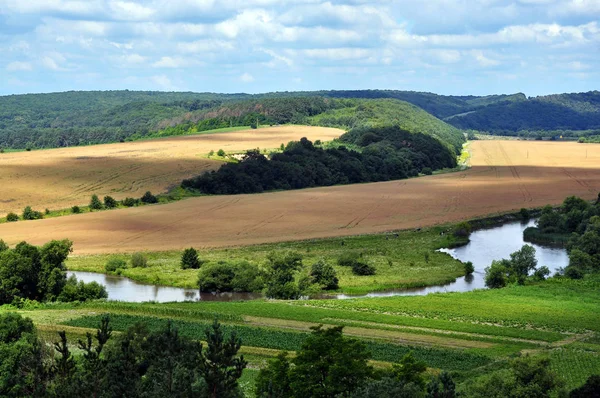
<point x="469" y="268"/>
<point x="495" y="275"/>
<point x="324" y="275"/>
<point x="189" y="259"/>
<point x="522" y="262"/>
<point x="280" y="275"/>
<point x="95" y="203"/>
<point x="219" y="364"/>
<point x="110" y="202"/>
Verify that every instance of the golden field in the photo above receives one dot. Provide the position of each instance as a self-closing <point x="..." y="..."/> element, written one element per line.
<point x="61" y="178"/>
<point x="505" y="175"/>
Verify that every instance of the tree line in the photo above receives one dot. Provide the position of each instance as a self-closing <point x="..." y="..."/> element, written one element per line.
<point x="162" y="363"/>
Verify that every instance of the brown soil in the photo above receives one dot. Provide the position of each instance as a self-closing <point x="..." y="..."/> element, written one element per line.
<point x="505" y="175"/>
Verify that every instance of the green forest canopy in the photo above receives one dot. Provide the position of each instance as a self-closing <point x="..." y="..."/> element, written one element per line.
<point x="89" y="117"/>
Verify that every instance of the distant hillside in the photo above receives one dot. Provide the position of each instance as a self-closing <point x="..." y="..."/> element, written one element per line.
<point x="90" y="117"/>
<point x="554" y="112"/>
<point x="86" y="117"/>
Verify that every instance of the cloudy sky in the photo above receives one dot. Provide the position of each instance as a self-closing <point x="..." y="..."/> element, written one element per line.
<point x="444" y="46"/>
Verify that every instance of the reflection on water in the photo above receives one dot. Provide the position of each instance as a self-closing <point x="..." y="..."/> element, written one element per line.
<point x="124" y="289"/>
<point x="485" y="246"/>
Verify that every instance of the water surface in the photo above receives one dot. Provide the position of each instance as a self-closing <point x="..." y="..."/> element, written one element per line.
<point x="485" y="246"/>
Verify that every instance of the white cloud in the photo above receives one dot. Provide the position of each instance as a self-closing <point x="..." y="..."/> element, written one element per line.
<point x="163" y="82"/>
<point x="483" y="60"/>
<point x="129" y="11"/>
<point x="246" y="78"/>
<point x="205" y="46"/>
<point x="18" y="66"/>
<point x="171" y="62"/>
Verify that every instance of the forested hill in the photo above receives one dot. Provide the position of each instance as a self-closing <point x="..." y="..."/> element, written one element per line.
<point x="553" y="112"/>
<point x="90" y="117"/>
<point x="80" y="118"/>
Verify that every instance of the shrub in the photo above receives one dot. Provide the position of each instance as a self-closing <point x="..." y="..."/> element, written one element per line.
<point x="324" y="275"/>
<point x="469" y="268"/>
<point x="221" y="153"/>
<point x="462" y="230"/>
<point x="75" y="210"/>
<point x="247" y="278"/>
<point x="573" y="272"/>
<point x="80" y="291"/>
<point x="524" y="213"/>
<point x="348" y="259"/>
<point x="114" y="264"/>
<point x="129" y="202"/>
<point x="148" y="198"/>
<point x="211" y="153"/>
<point x="216" y="277"/>
<point x="47" y="211"/>
<point x="12" y="217"/>
<point x="189" y="259"/>
<point x="110" y="202"/>
<point x="30" y="214"/>
<point x="95" y="203"/>
<point x="139" y="260"/>
<point x="360" y="268"/>
<point x="427" y="171"/>
<point x="541" y="273"/>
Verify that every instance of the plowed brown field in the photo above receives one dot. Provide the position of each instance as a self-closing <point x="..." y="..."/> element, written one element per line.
<point x="505" y="175"/>
<point x="61" y="178"/>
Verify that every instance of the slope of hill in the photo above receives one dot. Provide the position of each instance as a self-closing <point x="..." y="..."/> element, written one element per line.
<point x="91" y="117"/>
<point x="579" y="111"/>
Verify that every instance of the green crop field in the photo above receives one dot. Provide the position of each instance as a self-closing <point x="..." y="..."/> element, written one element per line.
<point x="466" y="333"/>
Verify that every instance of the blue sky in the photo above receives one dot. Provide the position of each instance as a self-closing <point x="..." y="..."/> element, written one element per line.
<point x="445" y="46"/>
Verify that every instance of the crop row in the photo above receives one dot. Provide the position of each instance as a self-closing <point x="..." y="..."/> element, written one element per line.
<point x="292" y="340"/>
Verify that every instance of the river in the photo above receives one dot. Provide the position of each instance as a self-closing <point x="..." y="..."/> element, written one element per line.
<point x="485" y="245"/>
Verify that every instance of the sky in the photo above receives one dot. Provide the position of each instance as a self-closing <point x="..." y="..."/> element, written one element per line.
<point x="454" y="47"/>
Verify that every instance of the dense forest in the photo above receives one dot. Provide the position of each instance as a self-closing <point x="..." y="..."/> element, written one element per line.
<point x="555" y="112"/>
<point x="384" y="153"/>
<point x="91" y="117"/>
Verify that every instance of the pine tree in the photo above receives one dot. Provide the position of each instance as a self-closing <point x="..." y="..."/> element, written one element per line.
<point x="219" y="365"/>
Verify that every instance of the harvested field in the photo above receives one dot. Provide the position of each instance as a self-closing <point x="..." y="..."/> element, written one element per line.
<point x="61" y="178"/>
<point x="505" y="175"/>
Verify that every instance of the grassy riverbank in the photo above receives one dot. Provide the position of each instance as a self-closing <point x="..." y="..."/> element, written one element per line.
<point x="402" y="260"/>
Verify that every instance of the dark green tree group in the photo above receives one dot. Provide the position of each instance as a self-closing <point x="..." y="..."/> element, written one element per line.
<point x="136" y="363"/>
<point x="28" y="272"/>
<point x="387" y="153"/>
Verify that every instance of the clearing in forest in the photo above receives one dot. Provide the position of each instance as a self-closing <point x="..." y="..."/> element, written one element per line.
<point x="505" y="176"/>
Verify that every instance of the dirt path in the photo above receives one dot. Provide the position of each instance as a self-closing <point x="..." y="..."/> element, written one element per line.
<point x="505" y="176"/>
